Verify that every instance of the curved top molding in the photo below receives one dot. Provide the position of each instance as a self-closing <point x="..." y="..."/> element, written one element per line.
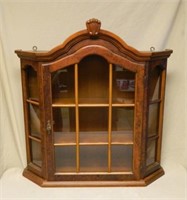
<point x="93" y="35"/>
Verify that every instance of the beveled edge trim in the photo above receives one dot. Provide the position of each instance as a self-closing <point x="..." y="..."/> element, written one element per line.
<point x="134" y="183"/>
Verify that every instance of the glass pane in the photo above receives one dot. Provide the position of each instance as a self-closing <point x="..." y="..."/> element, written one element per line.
<point x="32" y="82"/>
<point x="93" y="119"/>
<point x="36" y="153"/>
<point x="93" y="158"/>
<point x="151" y="152"/>
<point x="123" y="85"/>
<point x="93" y="124"/>
<point x="154" y="84"/>
<point x="34" y="115"/>
<point x="121" y="158"/>
<point x="65" y="159"/>
<point x="64" y="125"/>
<point x="94" y="137"/>
<point x="122" y="124"/>
<point x="153" y="119"/>
<point x="63" y="85"/>
<point x="93" y="80"/>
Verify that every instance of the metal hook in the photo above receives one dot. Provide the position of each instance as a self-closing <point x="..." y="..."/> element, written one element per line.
<point x="34" y="48"/>
<point x="152" y="49"/>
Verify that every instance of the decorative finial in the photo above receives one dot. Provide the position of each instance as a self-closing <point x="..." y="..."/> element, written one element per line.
<point x="93" y="27"/>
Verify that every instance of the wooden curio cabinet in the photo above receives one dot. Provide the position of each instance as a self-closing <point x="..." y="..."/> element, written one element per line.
<point x="93" y="109"/>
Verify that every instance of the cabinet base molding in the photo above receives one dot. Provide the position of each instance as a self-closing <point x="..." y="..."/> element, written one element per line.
<point x="136" y="183"/>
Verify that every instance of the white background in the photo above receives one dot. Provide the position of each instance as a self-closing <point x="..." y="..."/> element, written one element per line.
<point x="46" y="24"/>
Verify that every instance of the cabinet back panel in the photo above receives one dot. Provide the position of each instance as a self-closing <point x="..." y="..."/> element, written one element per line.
<point x="93" y="78"/>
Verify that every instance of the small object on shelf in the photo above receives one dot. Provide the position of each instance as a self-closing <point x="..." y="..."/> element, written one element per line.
<point x="93" y="109"/>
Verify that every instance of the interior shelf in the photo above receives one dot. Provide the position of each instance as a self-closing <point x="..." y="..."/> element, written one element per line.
<point x="63" y="102"/>
<point x="93" y="138"/>
<point x="82" y="102"/>
<point x="89" y="103"/>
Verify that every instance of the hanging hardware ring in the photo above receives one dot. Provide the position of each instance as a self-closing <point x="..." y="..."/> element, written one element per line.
<point x="34" y="48"/>
<point x="152" y="49"/>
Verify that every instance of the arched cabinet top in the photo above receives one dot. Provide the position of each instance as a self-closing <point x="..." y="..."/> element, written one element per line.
<point x="89" y="51"/>
<point x="93" y="35"/>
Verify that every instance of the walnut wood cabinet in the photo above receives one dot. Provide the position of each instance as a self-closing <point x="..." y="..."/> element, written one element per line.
<point x="93" y="109"/>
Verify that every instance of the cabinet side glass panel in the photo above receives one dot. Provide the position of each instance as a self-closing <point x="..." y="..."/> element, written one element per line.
<point x="122" y="124"/>
<point x="151" y="152"/>
<point x="123" y="85"/>
<point x="153" y="113"/>
<point x="34" y="117"/>
<point x="32" y="84"/>
<point x="36" y="156"/>
<point x="154" y="84"/>
<point x="153" y="119"/>
<point x="93" y="80"/>
<point x="64" y="125"/>
<point x="63" y="86"/>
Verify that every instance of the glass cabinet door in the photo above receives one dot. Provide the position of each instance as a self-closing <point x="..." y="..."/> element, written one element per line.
<point x="93" y="117"/>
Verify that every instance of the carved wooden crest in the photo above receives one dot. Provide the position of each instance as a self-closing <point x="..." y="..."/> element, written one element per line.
<point x="93" y="27"/>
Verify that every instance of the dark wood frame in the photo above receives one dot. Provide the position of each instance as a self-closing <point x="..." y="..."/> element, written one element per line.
<point x="100" y="42"/>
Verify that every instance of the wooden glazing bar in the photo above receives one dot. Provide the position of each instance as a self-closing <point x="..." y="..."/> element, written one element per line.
<point x="35" y="139"/>
<point x="32" y="102"/>
<point x="77" y="119"/>
<point x="64" y="144"/>
<point x="94" y="105"/>
<point x="123" y="105"/>
<point x="110" y="118"/>
<point x="62" y="105"/>
<point x="122" y="143"/>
